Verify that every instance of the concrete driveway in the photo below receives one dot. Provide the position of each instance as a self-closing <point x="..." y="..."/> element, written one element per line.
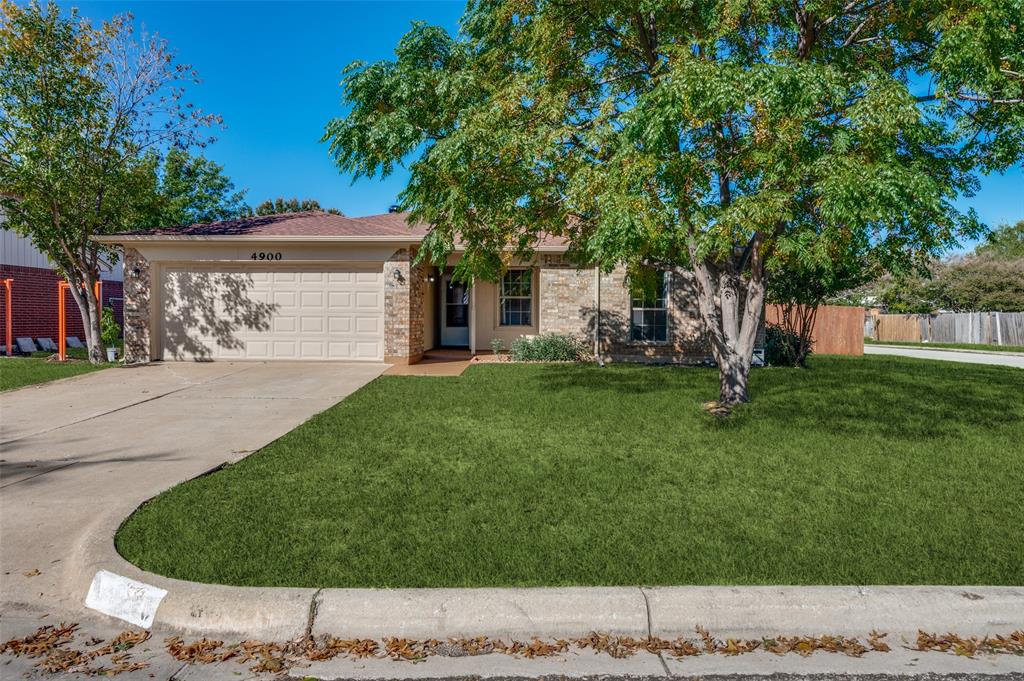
<point x="1006" y="359"/>
<point x="78" y="456"/>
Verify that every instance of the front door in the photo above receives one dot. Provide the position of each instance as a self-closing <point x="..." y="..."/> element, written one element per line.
<point x="454" y="312"/>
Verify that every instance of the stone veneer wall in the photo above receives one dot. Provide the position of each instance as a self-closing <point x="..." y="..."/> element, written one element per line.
<point x="566" y="299"/>
<point x="403" y="308"/>
<point x="137" y="296"/>
<point x="567" y="306"/>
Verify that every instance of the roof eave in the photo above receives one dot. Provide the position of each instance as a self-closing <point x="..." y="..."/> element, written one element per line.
<point x="120" y="239"/>
<point x="228" y="238"/>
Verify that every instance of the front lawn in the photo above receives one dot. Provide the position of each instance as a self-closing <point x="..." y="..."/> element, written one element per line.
<point x="874" y="470"/>
<point x="985" y="347"/>
<point x="16" y="372"/>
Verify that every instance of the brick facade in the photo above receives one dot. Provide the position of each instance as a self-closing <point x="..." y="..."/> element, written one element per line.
<point x="34" y="303"/>
<point x="137" y="295"/>
<point x="404" y="288"/>
<point x="568" y="303"/>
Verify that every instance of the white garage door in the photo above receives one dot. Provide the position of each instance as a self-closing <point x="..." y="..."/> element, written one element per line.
<point x="273" y="312"/>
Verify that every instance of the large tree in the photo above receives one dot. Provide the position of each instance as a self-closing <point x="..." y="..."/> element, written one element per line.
<point x="708" y="136"/>
<point x="190" y="189"/>
<point x="80" y="108"/>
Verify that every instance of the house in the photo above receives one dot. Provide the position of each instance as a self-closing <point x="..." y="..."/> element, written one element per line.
<point x="34" y="289"/>
<point x="315" y="286"/>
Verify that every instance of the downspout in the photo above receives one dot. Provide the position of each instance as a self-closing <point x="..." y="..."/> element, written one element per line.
<point x="472" y="316"/>
<point x="597" y="315"/>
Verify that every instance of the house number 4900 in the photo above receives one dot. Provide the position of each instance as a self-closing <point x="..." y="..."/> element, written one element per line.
<point x="265" y="255"/>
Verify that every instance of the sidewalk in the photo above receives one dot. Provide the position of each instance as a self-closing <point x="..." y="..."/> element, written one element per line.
<point x="1009" y="359"/>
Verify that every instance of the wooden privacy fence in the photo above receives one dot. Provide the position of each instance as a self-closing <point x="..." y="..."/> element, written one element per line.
<point x="838" y="330"/>
<point x="986" y="328"/>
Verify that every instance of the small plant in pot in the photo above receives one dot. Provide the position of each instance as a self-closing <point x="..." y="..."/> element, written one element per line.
<point x="110" y="333"/>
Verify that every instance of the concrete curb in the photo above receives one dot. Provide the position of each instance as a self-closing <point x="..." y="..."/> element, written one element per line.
<point x="499" y="613"/>
<point x="754" y="611"/>
<point x="278" y="614"/>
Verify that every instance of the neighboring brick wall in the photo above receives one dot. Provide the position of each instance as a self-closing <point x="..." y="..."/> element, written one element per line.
<point x="34" y="303"/>
<point x="403" y="309"/>
<point x="137" y="295"/>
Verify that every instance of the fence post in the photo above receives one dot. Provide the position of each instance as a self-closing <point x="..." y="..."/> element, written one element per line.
<point x="8" y="322"/>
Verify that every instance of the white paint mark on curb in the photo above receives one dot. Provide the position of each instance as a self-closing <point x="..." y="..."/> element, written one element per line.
<point x="124" y="598"/>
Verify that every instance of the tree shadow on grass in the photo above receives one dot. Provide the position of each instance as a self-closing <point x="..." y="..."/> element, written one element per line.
<point x="840" y="396"/>
<point x="626" y="379"/>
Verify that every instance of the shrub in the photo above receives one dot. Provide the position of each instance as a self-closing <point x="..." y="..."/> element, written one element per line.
<point x="110" y="330"/>
<point x="781" y="347"/>
<point x="497" y="346"/>
<point x="547" y="348"/>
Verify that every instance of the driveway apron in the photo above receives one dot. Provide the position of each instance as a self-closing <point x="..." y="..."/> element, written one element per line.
<point x="78" y="456"/>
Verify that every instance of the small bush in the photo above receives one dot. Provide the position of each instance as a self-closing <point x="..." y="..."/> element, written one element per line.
<point x="781" y="347"/>
<point x="547" y="348"/>
<point x="497" y="346"/>
<point x="110" y="330"/>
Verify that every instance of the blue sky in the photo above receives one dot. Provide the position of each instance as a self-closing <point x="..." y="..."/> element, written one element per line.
<point x="271" y="69"/>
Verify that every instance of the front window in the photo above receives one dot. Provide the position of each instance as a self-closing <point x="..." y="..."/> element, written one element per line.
<point x="517" y="298"/>
<point x="649" y="313"/>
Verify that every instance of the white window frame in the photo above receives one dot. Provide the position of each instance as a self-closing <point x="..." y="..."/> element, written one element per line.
<point x="636" y="305"/>
<point x="502" y="297"/>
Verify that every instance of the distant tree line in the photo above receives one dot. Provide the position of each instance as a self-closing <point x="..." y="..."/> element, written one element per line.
<point x="292" y="205"/>
<point x="990" y="279"/>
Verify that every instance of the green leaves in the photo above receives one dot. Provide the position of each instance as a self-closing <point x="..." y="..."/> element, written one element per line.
<point x="84" y="113"/>
<point x="636" y="122"/>
<point x="815" y="141"/>
<point x="191" y="189"/>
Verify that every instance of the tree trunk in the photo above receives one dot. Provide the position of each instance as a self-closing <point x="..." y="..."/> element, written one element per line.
<point x="731" y="328"/>
<point x="733" y="372"/>
<point x="85" y="297"/>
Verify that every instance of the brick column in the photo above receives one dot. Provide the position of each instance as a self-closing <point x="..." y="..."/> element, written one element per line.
<point x="404" y="289"/>
<point x="137" y="290"/>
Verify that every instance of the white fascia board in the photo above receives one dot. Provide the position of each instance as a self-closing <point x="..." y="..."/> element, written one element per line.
<point x="163" y="238"/>
<point x="125" y="239"/>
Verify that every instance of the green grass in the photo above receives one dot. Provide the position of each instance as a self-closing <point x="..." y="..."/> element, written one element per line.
<point x="16" y="372"/>
<point x="955" y="346"/>
<point x="874" y="470"/>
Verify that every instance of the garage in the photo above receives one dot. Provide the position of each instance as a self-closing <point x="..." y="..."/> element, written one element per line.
<point x="264" y="311"/>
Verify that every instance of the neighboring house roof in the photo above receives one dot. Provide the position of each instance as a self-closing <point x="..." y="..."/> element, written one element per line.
<point x="309" y="225"/>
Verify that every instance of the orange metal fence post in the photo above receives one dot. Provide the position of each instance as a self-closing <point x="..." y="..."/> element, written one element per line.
<point x="62" y="349"/>
<point x="8" y="322"/>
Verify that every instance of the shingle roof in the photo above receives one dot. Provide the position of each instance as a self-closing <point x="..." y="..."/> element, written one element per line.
<point x="309" y="223"/>
<point x="306" y="224"/>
